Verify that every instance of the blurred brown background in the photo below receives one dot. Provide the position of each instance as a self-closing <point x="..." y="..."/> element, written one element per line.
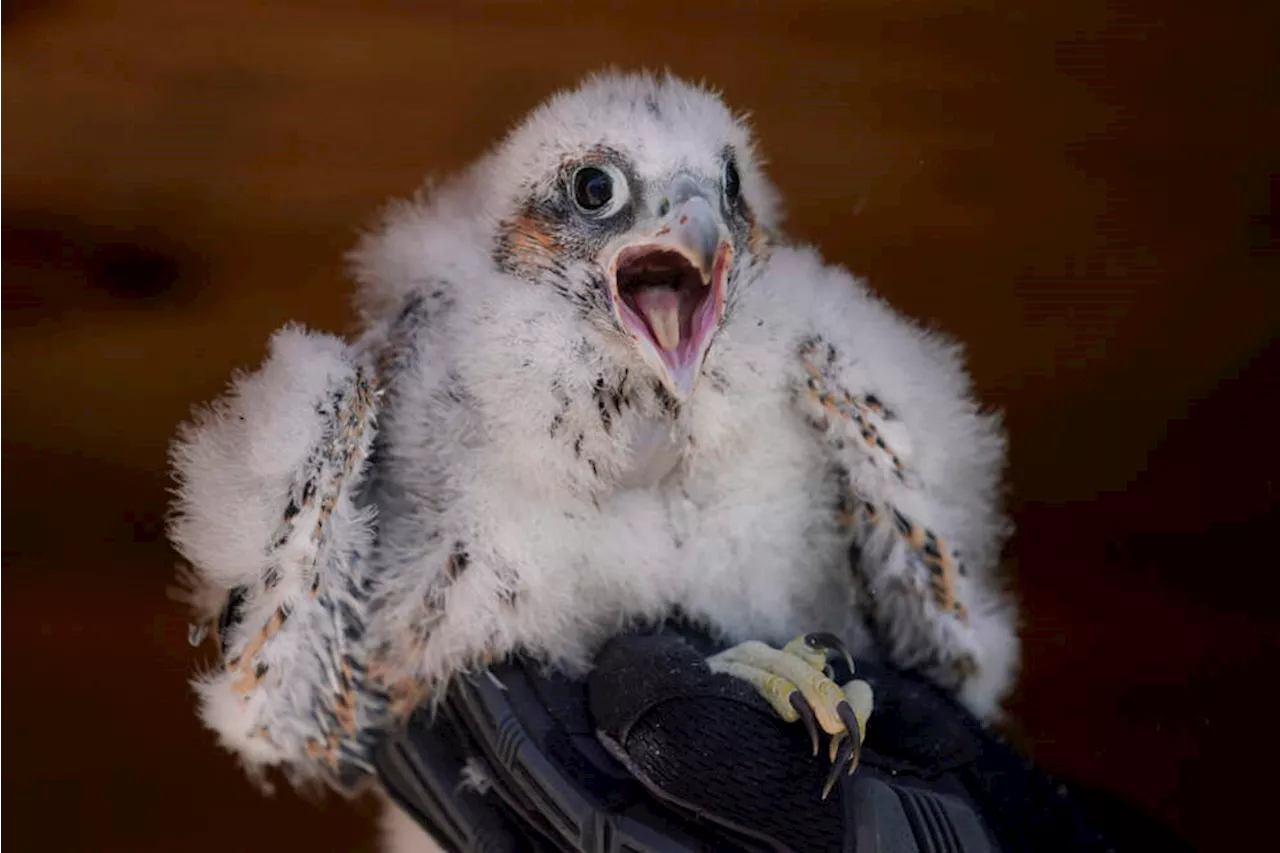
<point x="1085" y="192"/>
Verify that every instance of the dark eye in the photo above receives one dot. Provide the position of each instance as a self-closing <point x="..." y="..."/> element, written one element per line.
<point x="592" y="188"/>
<point x="732" y="183"/>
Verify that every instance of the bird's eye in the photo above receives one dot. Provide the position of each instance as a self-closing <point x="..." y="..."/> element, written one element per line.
<point x="595" y="190"/>
<point x="732" y="183"/>
<point x="599" y="190"/>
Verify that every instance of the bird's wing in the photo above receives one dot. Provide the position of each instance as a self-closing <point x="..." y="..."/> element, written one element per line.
<point x="267" y="514"/>
<point x="917" y="465"/>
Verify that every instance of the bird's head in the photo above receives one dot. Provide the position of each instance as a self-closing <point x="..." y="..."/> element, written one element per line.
<point x="641" y="201"/>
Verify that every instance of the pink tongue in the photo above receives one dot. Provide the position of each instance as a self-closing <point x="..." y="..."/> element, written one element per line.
<point x="660" y="307"/>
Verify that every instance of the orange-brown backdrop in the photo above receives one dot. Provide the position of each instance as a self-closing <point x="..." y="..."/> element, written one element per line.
<point x="1085" y="192"/>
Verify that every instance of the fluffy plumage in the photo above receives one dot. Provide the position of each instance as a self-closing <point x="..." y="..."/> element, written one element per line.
<point x="499" y="463"/>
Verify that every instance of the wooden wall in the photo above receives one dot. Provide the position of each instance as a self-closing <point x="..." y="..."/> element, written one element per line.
<point x="1085" y="192"/>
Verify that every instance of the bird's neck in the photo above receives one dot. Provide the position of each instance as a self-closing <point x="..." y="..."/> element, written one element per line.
<point x="656" y="448"/>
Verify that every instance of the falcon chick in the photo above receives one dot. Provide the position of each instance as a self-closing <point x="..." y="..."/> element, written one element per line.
<point x="594" y="385"/>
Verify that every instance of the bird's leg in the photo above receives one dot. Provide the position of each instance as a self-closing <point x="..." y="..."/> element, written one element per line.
<point x="796" y="681"/>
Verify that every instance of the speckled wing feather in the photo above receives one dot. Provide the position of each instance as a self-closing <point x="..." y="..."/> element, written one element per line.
<point x="928" y="611"/>
<point x="268" y="517"/>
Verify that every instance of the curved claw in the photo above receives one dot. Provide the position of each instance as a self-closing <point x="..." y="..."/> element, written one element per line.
<point x="829" y="642"/>
<point x="797" y="683"/>
<point x="850" y="719"/>
<point x="805" y="710"/>
<point x="843" y="759"/>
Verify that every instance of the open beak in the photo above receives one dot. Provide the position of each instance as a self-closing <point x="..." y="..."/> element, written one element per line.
<point x="668" y="288"/>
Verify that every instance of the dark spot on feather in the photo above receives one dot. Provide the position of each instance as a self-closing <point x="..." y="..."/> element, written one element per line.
<point x="349" y="614"/>
<point x="577" y="445"/>
<point x="230" y="616"/>
<point x="260" y="670"/>
<point x="411" y="308"/>
<point x="508" y="584"/>
<point x="669" y="403"/>
<point x="457" y="562"/>
<point x="594" y="470"/>
<point x="901" y="522"/>
<point x="719" y="381"/>
<point x="845" y="501"/>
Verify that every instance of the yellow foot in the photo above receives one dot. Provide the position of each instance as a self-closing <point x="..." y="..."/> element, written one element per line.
<point x="796" y="681"/>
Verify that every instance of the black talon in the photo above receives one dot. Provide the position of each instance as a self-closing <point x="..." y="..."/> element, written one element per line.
<point x="829" y="642"/>
<point x="845" y="711"/>
<point x="805" y="710"/>
<point x="843" y="758"/>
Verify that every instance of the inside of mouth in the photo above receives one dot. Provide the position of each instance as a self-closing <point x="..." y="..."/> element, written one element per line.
<point x="663" y="297"/>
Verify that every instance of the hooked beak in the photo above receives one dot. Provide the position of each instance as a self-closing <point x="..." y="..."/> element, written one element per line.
<point x="668" y="287"/>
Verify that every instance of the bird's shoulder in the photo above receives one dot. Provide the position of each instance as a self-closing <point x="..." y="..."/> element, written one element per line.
<point x="800" y="297"/>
